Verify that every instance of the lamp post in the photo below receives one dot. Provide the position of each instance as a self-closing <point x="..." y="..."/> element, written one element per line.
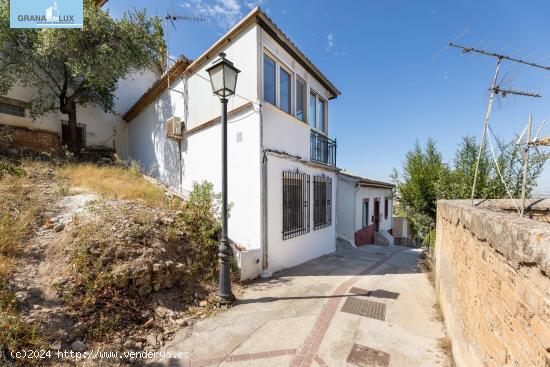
<point x="223" y="77"/>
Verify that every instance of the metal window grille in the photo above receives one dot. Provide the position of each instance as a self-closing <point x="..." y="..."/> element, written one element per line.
<point x="10" y="109"/>
<point x="295" y="204"/>
<point x="80" y="131"/>
<point x="322" y="202"/>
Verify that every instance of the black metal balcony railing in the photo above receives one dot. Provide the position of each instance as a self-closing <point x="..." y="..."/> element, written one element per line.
<point x="323" y="149"/>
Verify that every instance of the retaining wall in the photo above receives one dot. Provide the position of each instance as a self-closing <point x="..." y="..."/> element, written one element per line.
<point x="492" y="280"/>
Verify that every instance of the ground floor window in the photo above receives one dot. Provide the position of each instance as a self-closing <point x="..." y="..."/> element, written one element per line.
<point x="295" y="204"/>
<point x="322" y="198"/>
<point x="11" y="109"/>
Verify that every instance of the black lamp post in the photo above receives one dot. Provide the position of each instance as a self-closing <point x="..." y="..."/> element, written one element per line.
<point x="223" y="76"/>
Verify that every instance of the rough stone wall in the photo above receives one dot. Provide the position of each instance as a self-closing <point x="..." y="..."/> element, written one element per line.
<point x="492" y="280"/>
<point x="13" y="137"/>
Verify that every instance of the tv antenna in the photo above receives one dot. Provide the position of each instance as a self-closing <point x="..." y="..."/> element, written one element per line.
<point x="495" y="90"/>
<point x="524" y="144"/>
<point x="172" y="19"/>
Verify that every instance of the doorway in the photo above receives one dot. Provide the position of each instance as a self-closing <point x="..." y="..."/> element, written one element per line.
<point x="376" y="213"/>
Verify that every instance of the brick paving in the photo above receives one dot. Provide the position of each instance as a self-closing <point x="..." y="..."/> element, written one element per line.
<point x="306" y="354"/>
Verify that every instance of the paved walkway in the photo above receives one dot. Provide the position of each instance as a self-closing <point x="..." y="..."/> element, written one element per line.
<point x="358" y="307"/>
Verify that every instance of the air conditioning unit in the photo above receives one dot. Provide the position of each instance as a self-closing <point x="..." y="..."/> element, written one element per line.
<point x="173" y="127"/>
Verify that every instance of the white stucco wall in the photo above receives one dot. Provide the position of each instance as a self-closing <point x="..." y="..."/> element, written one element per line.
<point x="103" y="129"/>
<point x="202" y="105"/>
<point x="345" y="209"/>
<point x="371" y="193"/>
<point x="200" y="160"/>
<point x="293" y="251"/>
<point x="285" y="133"/>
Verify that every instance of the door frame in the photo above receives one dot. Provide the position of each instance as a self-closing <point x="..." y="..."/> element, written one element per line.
<point x="376" y="213"/>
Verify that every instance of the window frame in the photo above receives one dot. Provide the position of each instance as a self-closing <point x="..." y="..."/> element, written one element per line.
<point x="322" y="209"/>
<point x="278" y="66"/>
<point x="283" y="67"/>
<point x="12" y="109"/>
<point x="289" y="227"/>
<point x="276" y="91"/>
<point x="305" y="99"/>
<point x="318" y="98"/>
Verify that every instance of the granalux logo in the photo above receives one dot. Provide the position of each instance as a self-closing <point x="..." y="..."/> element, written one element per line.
<point x="46" y="13"/>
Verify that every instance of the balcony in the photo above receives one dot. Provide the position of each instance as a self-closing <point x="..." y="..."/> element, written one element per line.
<point x="322" y="149"/>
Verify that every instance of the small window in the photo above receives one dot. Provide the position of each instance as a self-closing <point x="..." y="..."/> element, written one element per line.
<point x="269" y="80"/>
<point x="322" y="198"/>
<point x="365" y="222"/>
<point x="386" y="207"/>
<point x="11" y="109"/>
<point x="295" y="204"/>
<point x="285" y="90"/>
<point x="301" y="101"/>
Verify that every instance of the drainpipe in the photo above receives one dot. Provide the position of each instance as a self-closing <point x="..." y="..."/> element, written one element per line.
<point x="264" y="205"/>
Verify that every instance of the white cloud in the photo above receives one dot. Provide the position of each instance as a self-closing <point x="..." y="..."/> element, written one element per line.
<point x="330" y="41"/>
<point x="223" y="13"/>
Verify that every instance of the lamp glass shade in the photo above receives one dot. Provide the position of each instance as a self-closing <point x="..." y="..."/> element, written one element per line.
<point x="223" y="77"/>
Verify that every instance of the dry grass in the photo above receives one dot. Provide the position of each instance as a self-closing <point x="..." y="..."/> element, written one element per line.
<point x="114" y="182"/>
<point x="21" y="205"/>
<point x="427" y="265"/>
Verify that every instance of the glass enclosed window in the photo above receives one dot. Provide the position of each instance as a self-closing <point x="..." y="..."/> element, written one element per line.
<point x="312" y="109"/>
<point x="269" y="80"/>
<point x="285" y="90"/>
<point x="321" y="115"/>
<point x="301" y="101"/>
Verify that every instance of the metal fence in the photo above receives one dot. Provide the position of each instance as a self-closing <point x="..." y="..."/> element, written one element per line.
<point x="322" y="202"/>
<point x="322" y="149"/>
<point x="296" y="195"/>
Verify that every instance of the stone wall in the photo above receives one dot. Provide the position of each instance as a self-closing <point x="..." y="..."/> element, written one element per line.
<point x="492" y="280"/>
<point x="14" y="137"/>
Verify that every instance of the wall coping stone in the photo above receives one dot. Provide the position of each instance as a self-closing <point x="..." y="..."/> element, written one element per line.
<point x="522" y="241"/>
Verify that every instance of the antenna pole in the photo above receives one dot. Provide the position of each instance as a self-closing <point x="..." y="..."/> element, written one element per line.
<point x="526" y="164"/>
<point x="485" y="126"/>
<point x="167" y="52"/>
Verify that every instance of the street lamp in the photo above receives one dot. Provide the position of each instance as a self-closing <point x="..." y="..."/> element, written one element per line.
<point x="223" y="77"/>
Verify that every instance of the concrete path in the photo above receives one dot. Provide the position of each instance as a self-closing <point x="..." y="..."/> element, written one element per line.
<point x="357" y="307"/>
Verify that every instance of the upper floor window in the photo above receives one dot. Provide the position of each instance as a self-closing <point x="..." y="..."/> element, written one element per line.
<point x="285" y="90"/>
<point x="11" y="109"/>
<point x="269" y="80"/>
<point x="301" y="99"/>
<point x="317" y="112"/>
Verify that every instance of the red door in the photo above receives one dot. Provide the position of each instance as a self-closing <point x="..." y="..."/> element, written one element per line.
<point x="376" y="213"/>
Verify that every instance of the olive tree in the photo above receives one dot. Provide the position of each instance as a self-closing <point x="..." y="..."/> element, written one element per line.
<point x="71" y="67"/>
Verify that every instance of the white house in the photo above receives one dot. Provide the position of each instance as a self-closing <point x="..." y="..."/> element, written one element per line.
<point x="364" y="210"/>
<point x="281" y="162"/>
<point x="283" y="182"/>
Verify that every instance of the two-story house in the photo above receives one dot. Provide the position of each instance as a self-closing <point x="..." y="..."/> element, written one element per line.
<point x="282" y="173"/>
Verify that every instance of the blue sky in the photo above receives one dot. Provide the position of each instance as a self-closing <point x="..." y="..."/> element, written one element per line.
<point x="385" y="57"/>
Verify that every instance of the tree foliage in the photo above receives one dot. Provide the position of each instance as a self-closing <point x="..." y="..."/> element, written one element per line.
<point x="70" y="67"/>
<point x="425" y="178"/>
